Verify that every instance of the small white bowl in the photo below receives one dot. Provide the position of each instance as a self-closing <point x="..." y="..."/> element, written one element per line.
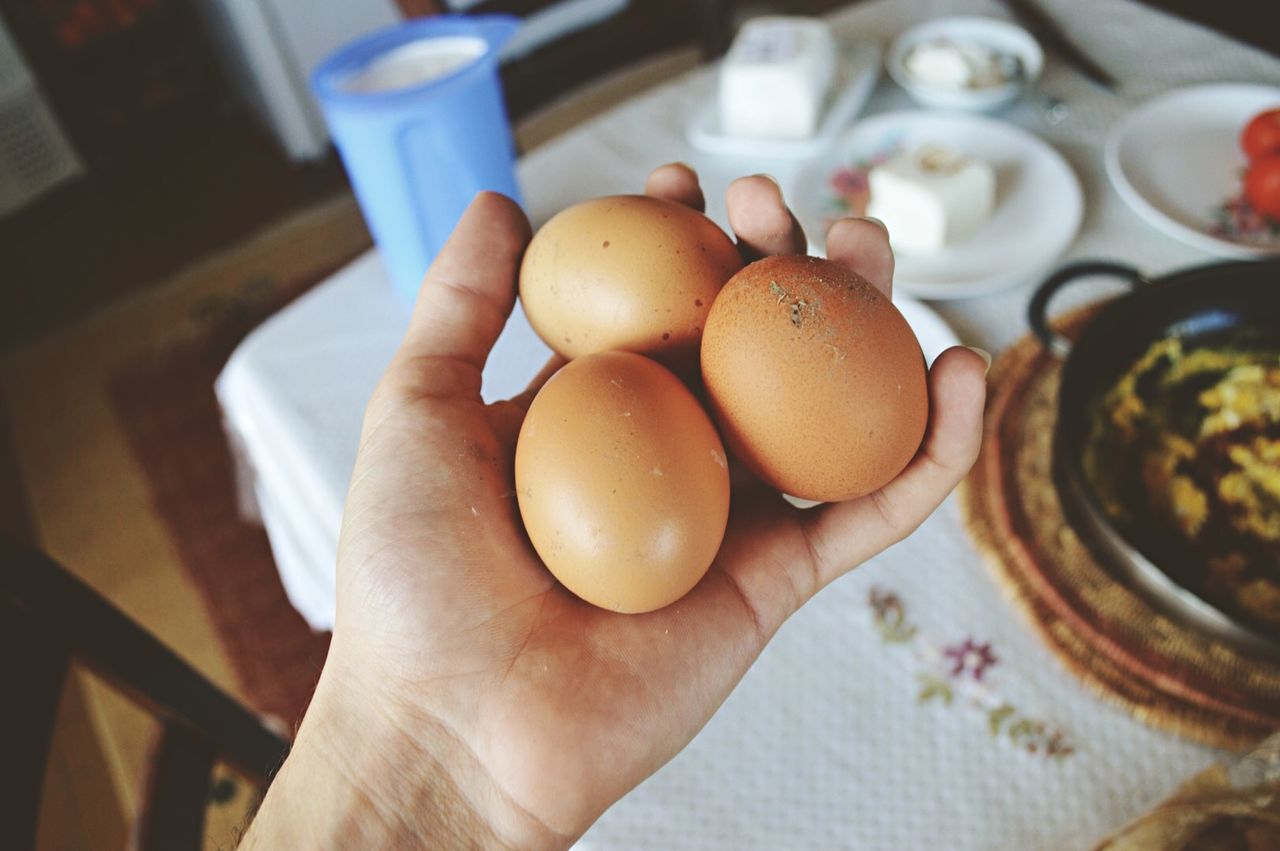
<point x="992" y="33"/>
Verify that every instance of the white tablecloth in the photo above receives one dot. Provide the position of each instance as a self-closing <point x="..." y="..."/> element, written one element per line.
<point x="837" y="738"/>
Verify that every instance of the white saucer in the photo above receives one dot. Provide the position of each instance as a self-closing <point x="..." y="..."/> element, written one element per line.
<point x="1039" y="203"/>
<point x="856" y="76"/>
<point x="1176" y="160"/>
<point x="934" y="334"/>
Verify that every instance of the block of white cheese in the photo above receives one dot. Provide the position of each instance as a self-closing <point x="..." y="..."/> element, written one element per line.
<point x="958" y="65"/>
<point x="931" y="197"/>
<point x="775" y="79"/>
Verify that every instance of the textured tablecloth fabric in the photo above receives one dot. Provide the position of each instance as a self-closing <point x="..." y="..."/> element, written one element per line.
<point x="910" y="728"/>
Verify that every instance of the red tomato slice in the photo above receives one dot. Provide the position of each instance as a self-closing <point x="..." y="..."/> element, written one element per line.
<point x="1262" y="186"/>
<point x="1261" y="136"/>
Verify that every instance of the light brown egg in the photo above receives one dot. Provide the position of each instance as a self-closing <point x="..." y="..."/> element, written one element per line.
<point x="626" y="272"/>
<point x="816" y="381"/>
<point x="622" y="482"/>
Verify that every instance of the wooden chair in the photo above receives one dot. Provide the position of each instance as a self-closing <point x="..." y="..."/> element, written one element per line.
<point x="48" y="619"/>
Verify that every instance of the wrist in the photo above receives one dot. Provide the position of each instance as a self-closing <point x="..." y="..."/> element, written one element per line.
<point x="369" y="772"/>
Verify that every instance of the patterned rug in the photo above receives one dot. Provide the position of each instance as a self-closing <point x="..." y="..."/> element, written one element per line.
<point x="1165" y="673"/>
<point x="166" y="404"/>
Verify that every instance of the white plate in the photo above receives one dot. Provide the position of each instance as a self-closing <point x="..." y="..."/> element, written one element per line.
<point x="1039" y="203"/>
<point x="856" y="75"/>
<point x="934" y="334"/>
<point x="1176" y="160"/>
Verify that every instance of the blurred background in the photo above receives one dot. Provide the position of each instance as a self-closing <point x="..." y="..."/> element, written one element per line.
<point x="117" y="114"/>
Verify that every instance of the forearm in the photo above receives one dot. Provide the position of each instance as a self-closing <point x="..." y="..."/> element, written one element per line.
<point x="315" y="802"/>
<point x="356" y="780"/>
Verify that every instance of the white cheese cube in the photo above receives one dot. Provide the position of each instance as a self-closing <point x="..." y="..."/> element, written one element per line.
<point x="957" y="65"/>
<point x="775" y="78"/>
<point x="930" y="198"/>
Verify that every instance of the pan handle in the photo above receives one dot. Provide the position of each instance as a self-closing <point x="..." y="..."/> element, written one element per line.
<point x="1037" y="311"/>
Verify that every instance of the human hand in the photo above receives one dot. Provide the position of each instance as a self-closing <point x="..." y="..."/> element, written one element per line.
<point x="468" y="698"/>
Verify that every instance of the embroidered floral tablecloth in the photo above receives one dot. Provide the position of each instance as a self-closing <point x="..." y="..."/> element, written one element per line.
<point x="908" y="706"/>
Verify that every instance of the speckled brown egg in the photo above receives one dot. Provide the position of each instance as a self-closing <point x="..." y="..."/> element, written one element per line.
<point x="622" y="482"/>
<point x="816" y="381"/>
<point x="626" y="272"/>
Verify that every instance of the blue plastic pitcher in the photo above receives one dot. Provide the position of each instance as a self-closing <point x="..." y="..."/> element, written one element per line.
<point x="417" y="114"/>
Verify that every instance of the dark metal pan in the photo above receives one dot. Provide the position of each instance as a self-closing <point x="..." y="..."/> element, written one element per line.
<point x="1227" y="307"/>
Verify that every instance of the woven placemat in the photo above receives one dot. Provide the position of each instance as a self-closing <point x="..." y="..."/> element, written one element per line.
<point x="1167" y="674"/>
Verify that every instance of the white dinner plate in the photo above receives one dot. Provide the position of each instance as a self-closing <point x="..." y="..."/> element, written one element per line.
<point x="1176" y="160"/>
<point x="857" y="71"/>
<point x="934" y="334"/>
<point x="1039" y="203"/>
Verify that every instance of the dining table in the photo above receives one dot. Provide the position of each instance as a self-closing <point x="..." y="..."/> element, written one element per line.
<point x="867" y="722"/>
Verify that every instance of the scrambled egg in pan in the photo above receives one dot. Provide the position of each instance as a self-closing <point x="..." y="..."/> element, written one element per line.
<point x="1184" y="454"/>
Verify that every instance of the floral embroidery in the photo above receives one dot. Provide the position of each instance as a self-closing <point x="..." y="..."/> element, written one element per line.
<point x="849" y="189"/>
<point x="891" y="618"/>
<point x="970" y="658"/>
<point x="1037" y="736"/>
<point x="957" y="674"/>
<point x="934" y="687"/>
<point x="1235" y="219"/>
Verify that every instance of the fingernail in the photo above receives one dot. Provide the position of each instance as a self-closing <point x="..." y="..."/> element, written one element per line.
<point x="771" y="179"/>
<point x="683" y="164"/>
<point x="882" y="225"/>
<point x="982" y="353"/>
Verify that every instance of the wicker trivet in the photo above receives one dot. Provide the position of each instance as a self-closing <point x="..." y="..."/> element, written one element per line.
<point x="1167" y="674"/>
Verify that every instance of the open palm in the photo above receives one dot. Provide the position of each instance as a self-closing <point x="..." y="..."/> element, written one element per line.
<point x="553" y="708"/>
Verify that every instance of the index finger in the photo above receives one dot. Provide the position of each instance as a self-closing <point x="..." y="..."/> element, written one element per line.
<point x="470" y="289"/>
<point x="761" y="219"/>
<point x="863" y="246"/>
<point x="676" y="182"/>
